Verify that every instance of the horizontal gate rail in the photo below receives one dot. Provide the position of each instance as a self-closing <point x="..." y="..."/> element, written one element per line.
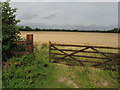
<point x="87" y="51"/>
<point x="85" y="46"/>
<point x="85" y="61"/>
<point x="80" y="56"/>
<point x="20" y="52"/>
<point x="23" y="42"/>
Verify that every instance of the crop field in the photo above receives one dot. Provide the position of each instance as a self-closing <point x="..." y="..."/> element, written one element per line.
<point x="86" y="38"/>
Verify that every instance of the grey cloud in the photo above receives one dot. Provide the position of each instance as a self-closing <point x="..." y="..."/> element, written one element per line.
<point x="119" y="14"/>
<point x="90" y="15"/>
<point x="51" y="16"/>
<point x="27" y="16"/>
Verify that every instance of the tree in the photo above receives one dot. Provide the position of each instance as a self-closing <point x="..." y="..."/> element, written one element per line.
<point x="27" y="28"/>
<point x="9" y="28"/>
<point x="115" y="30"/>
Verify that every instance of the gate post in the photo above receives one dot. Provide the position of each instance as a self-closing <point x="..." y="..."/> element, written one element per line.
<point x="30" y="43"/>
<point x="49" y="51"/>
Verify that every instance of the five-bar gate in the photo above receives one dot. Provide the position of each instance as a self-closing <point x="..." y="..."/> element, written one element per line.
<point x="83" y="55"/>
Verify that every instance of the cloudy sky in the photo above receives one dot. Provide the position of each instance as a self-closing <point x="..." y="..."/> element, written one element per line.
<point x="68" y="14"/>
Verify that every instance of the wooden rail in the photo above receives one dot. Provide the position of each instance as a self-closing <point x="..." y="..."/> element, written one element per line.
<point x="58" y="53"/>
<point x="29" y="45"/>
<point x="87" y="51"/>
<point x="22" y="42"/>
<point x="85" y="46"/>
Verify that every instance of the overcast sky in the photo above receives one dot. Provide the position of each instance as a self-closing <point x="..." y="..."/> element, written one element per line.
<point x="68" y="15"/>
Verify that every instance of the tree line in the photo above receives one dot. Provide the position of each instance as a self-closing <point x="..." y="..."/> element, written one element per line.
<point x="27" y="28"/>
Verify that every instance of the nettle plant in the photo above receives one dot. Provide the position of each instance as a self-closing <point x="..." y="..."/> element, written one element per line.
<point x="9" y="29"/>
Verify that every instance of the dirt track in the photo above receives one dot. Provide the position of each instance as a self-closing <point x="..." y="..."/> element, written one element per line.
<point x="104" y="39"/>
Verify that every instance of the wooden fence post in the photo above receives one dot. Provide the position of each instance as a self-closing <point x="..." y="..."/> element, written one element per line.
<point x="49" y="51"/>
<point x="30" y="44"/>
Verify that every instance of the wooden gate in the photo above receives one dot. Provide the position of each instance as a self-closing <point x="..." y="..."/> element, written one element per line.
<point x="28" y="43"/>
<point x="82" y="55"/>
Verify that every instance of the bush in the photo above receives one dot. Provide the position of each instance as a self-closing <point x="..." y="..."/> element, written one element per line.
<point x="9" y="29"/>
<point x="34" y="69"/>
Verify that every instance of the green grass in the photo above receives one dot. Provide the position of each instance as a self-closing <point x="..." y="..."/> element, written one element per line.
<point x="37" y="72"/>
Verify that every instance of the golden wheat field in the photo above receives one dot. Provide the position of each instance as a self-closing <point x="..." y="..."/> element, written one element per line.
<point x="86" y="38"/>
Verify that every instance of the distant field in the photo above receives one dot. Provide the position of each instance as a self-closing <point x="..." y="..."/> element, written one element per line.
<point x="87" y="38"/>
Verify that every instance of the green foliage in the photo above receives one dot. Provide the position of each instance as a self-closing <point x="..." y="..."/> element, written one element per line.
<point x="33" y="70"/>
<point x="9" y="28"/>
<point x="0" y="32"/>
<point x="43" y="46"/>
<point x="37" y="72"/>
<point x="114" y="30"/>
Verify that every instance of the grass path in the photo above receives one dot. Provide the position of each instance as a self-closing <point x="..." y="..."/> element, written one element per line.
<point x="63" y="76"/>
<point x="72" y="77"/>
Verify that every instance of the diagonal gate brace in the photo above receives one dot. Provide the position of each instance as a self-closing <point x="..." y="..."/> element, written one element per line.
<point x="109" y="59"/>
<point x="66" y="55"/>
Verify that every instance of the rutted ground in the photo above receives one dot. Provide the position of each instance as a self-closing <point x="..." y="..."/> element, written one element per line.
<point x="104" y="39"/>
